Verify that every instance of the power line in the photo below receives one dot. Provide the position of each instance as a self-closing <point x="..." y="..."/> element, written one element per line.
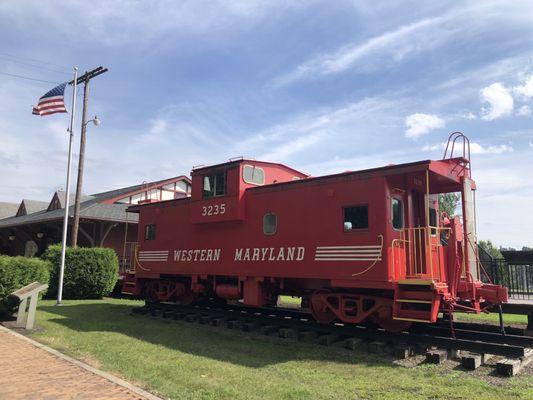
<point x="33" y="65"/>
<point x="28" y="78"/>
<point x="34" y="60"/>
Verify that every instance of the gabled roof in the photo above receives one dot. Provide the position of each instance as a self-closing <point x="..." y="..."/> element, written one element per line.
<point x="28" y="206"/>
<point x="8" y="209"/>
<point x="59" y="198"/>
<point x="89" y="209"/>
<point x="100" y="206"/>
<point x="113" y="195"/>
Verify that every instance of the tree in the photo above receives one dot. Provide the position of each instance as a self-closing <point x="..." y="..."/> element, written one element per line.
<point x="449" y="202"/>
<point x="489" y="247"/>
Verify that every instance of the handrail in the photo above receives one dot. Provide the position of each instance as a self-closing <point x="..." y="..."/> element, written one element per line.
<point x="466" y="145"/>
<point x="418" y="253"/>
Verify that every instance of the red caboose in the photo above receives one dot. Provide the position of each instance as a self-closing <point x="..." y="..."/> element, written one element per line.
<point x="358" y="246"/>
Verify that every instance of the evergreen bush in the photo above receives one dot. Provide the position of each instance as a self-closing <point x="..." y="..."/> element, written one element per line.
<point x="16" y="272"/>
<point x="90" y="273"/>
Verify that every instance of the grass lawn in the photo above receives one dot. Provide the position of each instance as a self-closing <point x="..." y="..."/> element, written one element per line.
<point x="181" y="360"/>
<point x="508" y="319"/>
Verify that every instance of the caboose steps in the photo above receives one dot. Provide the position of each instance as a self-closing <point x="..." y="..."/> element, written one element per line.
<point x="414" y="281"/>
<point x="129" y="284"/>
<point x="416" y="300"/>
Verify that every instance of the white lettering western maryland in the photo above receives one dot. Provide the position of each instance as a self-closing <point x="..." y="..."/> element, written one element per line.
<point x="197" y="255"/>
<point x="242" y="254"/>
<point x="270" y="254"/>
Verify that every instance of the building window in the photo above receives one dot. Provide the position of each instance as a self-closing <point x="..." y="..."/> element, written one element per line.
<point x="214" y="185"/>
<point x="270" y="224"/>
<point x="397" y="213"/>
<point x="355" y="218"/>
<point x="149" y="232"/>
<point x="254" y="175"/>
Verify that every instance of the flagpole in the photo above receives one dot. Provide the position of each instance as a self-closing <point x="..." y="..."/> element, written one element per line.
<point x="67" y="194"/>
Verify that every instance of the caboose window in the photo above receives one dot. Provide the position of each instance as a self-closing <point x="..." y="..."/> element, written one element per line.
<point x="270" y="224"/>
<point x="214" y="185"/>
<point x="397" y="213"/>
<point x="149" y="232"/>
<point x="433" y="220"/>
<point x="355" y="218"/>
<point x="254" y="175"/>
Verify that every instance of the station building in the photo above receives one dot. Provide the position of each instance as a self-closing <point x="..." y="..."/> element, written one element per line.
<point x="29" y="227"/>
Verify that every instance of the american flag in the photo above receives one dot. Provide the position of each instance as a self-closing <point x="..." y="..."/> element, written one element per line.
<point x="52" y="102"/>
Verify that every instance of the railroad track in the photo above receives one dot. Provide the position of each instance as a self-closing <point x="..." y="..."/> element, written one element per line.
<point x="475" y="341"/>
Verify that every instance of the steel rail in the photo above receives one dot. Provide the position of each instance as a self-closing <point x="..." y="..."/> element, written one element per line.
<point x="490" y="344"/>
<point x="492" y="337"/>
<point x="476" y="326"/>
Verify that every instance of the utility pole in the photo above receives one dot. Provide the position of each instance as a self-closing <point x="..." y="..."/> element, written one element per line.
<point x="85" y="78"/>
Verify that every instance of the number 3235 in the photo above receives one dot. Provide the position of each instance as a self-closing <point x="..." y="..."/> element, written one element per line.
<point x="215" y="209"/>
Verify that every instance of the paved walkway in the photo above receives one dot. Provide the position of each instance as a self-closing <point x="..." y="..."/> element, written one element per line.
<point x="30" y="370"/>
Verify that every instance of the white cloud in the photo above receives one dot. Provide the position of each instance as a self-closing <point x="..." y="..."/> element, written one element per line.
<point x="469" y="115"/>
<point x="523" y="111"/>
<point x="434" y="147"/>
<point x="525" y="90"/>
<point x="159" y="125"/>
<point x="116" y="23"/>
<point x="407" y="40"/>
<point x="476" y="148"/>
<point x="396" y="43"/>
<point x="283" y="151"/>
<point x="316" y="124"/>
<point x="419" y="124"/>
<point x="500" y="101"/>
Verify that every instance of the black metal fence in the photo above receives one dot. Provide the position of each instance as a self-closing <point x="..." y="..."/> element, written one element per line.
<point x="517" y="277"/>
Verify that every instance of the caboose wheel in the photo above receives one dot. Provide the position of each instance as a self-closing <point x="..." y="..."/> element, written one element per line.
<point x="160" y="290"/>
<point x="384" y="319"/>
<point x="319" y="309"/>
<point x="188" y="298"/>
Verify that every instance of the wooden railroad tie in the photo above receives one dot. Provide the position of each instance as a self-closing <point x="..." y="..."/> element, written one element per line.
<point x="328" y="340"/>
<point x="511" y="366"/>
<point x="436" y="356"/>
<point x="472" y="361"/>
<point x="268" y="329"/>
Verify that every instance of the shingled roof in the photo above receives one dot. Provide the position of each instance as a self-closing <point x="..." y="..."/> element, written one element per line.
<point x="28" y="206"/>
<point x="89" y="209"/>
<point x="99" y="206"/>
<point x="8" y="209"/>
<point x="117" y="193"/>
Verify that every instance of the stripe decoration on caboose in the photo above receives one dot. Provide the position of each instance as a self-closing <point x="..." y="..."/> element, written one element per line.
<point x="157" y="255"/>
<point x="52" y="102"/>
<point x="348" y="253"/>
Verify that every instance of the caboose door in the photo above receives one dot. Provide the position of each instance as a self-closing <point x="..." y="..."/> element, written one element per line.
<point x="417" y="236"/>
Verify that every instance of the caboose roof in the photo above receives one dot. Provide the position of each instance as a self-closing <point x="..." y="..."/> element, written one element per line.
<point x="442" y="168"/>
<point x="447" y="172"/>
<point x="203" y="168"/>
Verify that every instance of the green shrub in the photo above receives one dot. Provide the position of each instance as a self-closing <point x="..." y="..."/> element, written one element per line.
<point x="16" y="272"/>
<point x="90" y="273"/>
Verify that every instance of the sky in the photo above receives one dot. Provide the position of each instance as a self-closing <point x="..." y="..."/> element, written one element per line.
<point x="321" y="86"/>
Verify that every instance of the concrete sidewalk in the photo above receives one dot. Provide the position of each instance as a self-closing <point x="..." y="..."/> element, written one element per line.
<point x="30" y="370"/>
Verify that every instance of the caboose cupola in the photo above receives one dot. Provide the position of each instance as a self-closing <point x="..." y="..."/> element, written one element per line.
<point x="218" y="190"/>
